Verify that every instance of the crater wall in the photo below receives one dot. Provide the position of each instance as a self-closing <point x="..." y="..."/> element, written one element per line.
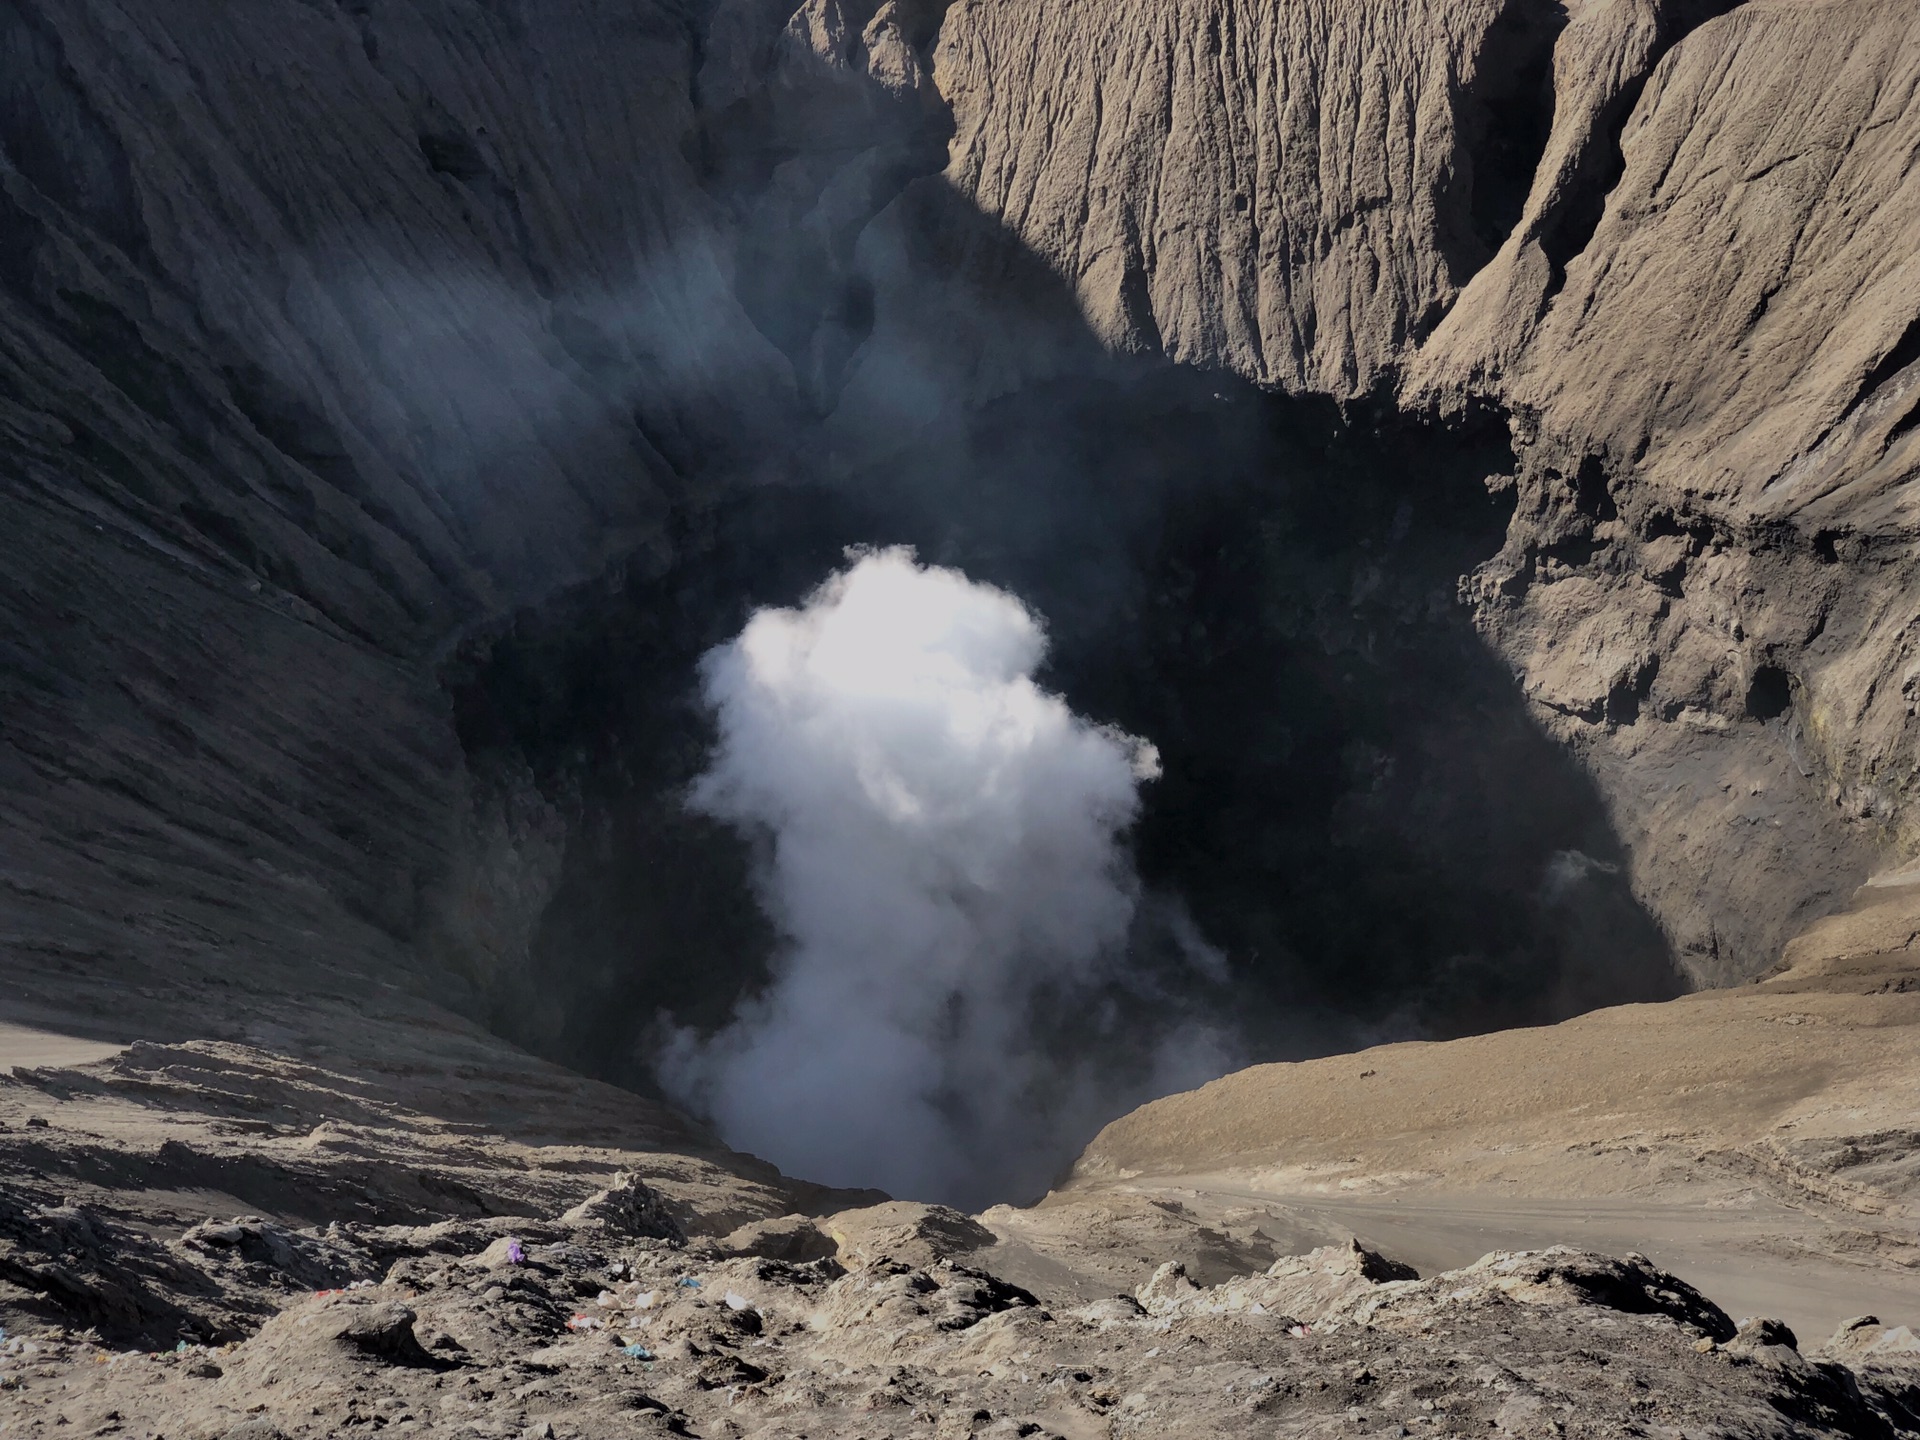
<point x="1696" y="308"/>
<point x="339" y="339"/>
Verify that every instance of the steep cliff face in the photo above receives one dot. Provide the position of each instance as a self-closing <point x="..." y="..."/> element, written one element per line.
<point x="1729" y="630"/>
<point x="1292" y="191"/>
<point x="1666" y="238"/>
<point x="327" y="331"/>
<point x="339" y="339"/>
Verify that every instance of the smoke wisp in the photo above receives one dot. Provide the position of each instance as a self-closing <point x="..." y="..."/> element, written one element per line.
<point x="944" y="857"/>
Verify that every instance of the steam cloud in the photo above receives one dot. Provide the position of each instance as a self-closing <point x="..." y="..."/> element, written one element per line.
<point x="944" y="862"/>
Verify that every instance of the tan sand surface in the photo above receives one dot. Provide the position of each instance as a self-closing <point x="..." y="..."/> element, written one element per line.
<point x="1761" y="1142"/>
<point x="25" y="1047"/>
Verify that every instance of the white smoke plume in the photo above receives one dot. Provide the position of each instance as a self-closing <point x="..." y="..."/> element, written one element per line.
<point x="945" y="855"/>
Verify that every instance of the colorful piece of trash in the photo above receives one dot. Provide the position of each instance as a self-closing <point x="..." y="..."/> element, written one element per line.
<point x="687" y="1282"/>
<point x="737" y="1301"/>
<point x="636" y="1352"/>
<point x="516" y="1253"/>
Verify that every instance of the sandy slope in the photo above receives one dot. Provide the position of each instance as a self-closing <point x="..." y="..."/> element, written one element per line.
<point x="24" y="1046"/>
<point x="1763" y="1142"/>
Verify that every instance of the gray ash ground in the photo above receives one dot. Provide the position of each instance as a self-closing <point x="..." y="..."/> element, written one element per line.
<point x="587" y="1326"/>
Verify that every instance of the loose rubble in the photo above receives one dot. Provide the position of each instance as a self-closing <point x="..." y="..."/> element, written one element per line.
<point x="579" y="1327"/>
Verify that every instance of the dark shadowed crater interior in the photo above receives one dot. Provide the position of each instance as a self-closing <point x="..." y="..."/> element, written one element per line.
<point x="1355" y="808"/>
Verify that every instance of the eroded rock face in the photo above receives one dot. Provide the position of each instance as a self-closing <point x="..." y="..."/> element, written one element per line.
<point x="258" y="467"/>
<point x="1675" y="261"/>
<point x="329" y="333"/>
<point x="335" y="336"/>
<point x="1295" y="191"/>
<point x="1731" y="361"/>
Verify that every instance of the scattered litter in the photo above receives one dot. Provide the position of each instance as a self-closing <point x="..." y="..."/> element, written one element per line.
<point x="343" y="1289"/>
<point x="636" y="1352"/>
<point x="516" y="1253"/>
<point x="1153" y="1352"/>
<point x="586" y="1322"/>
<point x="181" y="1348"/>
<point x="687" y="1282"/>
<point x="1299" y="1331"/>
<point x="737" y="1301"/>
<point x="644" y="1302"/>
<point x="606" y="1298"/>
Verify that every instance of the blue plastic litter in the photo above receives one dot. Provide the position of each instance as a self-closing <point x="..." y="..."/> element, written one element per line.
<point x="687" y="1282"/>
<point x="636" y="1352"/>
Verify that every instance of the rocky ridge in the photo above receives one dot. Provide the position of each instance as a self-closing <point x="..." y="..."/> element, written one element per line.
<point x="593" y="1324"/>
<point x="581" y="1335"/>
